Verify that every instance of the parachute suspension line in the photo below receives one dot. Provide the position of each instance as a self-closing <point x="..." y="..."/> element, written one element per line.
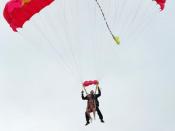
<point x="78" y="41"/>
<point x="125" y="18"/>
<point x="96" y="89"/>
<point x="94" y="46"/>
<point x="85" y="90"/>
<point x="97" y="46"/>
<point x="101" y="46"/>
<point x="149" y="19"/>
<point x="110" y="31"/>
<point x="121" y="9"/>
<point x="133" y="19"/>
<point x="68" y="39"/>
<point x="146" y="25"/>
<point x="141" y="15"/>
<point x="60" y="59"/>
<point x="51" y="45"/>
<point x="53" y="28"/>
<point x="64" y="40"/>
<point x="107" y="7"/>
<point x="68" y="42"/>
<point x="66" y="66"/>
<point x="139" y="26"/>
<point x="116" y="14"/>
<point x="29" y="41"/>
<point x="76" y="65"/>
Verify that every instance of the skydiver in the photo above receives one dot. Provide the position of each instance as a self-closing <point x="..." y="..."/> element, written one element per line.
<point x="92" y="105"/>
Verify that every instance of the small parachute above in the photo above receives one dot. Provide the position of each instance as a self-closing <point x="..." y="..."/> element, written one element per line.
<point x="17" y="12"/>
<point x="161" y="3"/>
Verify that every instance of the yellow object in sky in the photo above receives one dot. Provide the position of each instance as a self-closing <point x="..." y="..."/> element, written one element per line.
<point x="117" y="39"/>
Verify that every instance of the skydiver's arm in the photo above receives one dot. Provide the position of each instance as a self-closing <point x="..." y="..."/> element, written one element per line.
<point x="99" y="91"/>
<point x="83" y="97"/>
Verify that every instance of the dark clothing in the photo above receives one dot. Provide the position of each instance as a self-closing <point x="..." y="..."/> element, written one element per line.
<point x="99" y="113"/>
<point x="87" y="117"/>
<point x="95" y="97"/>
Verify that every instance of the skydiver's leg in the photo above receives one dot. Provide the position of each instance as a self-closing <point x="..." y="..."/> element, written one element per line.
<point x="94" y="110"/>
<point x="88" y="117"/>
<point x="99" y="114"/>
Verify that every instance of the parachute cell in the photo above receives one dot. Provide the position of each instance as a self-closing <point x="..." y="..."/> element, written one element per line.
<point x="17" y="12"/>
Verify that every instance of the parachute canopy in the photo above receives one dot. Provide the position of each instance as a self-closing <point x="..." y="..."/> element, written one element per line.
<point x="76" y="35"/>
<point x="161" y="3"/>
<point x="91" y="82"/>
<point x="17" y="12"/>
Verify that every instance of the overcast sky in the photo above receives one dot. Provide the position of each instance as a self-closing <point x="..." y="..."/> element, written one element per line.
<point x="40" y="83"/>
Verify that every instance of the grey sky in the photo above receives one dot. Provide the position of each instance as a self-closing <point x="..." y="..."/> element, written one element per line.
<point x="137" y="78"/>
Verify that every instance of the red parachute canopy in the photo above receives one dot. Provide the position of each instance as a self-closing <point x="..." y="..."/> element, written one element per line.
<point x="17" y="12"/>
<point x="88" y="83"/>
<point x="161" y="3"/>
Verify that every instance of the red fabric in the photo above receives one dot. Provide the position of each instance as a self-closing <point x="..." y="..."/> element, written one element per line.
<point x="16" y="13"/>
<point x="88" y="83"/>
<point x="161" y="3"/>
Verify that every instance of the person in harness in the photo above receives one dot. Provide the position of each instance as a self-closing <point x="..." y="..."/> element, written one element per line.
<point x="92" y="104"/>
